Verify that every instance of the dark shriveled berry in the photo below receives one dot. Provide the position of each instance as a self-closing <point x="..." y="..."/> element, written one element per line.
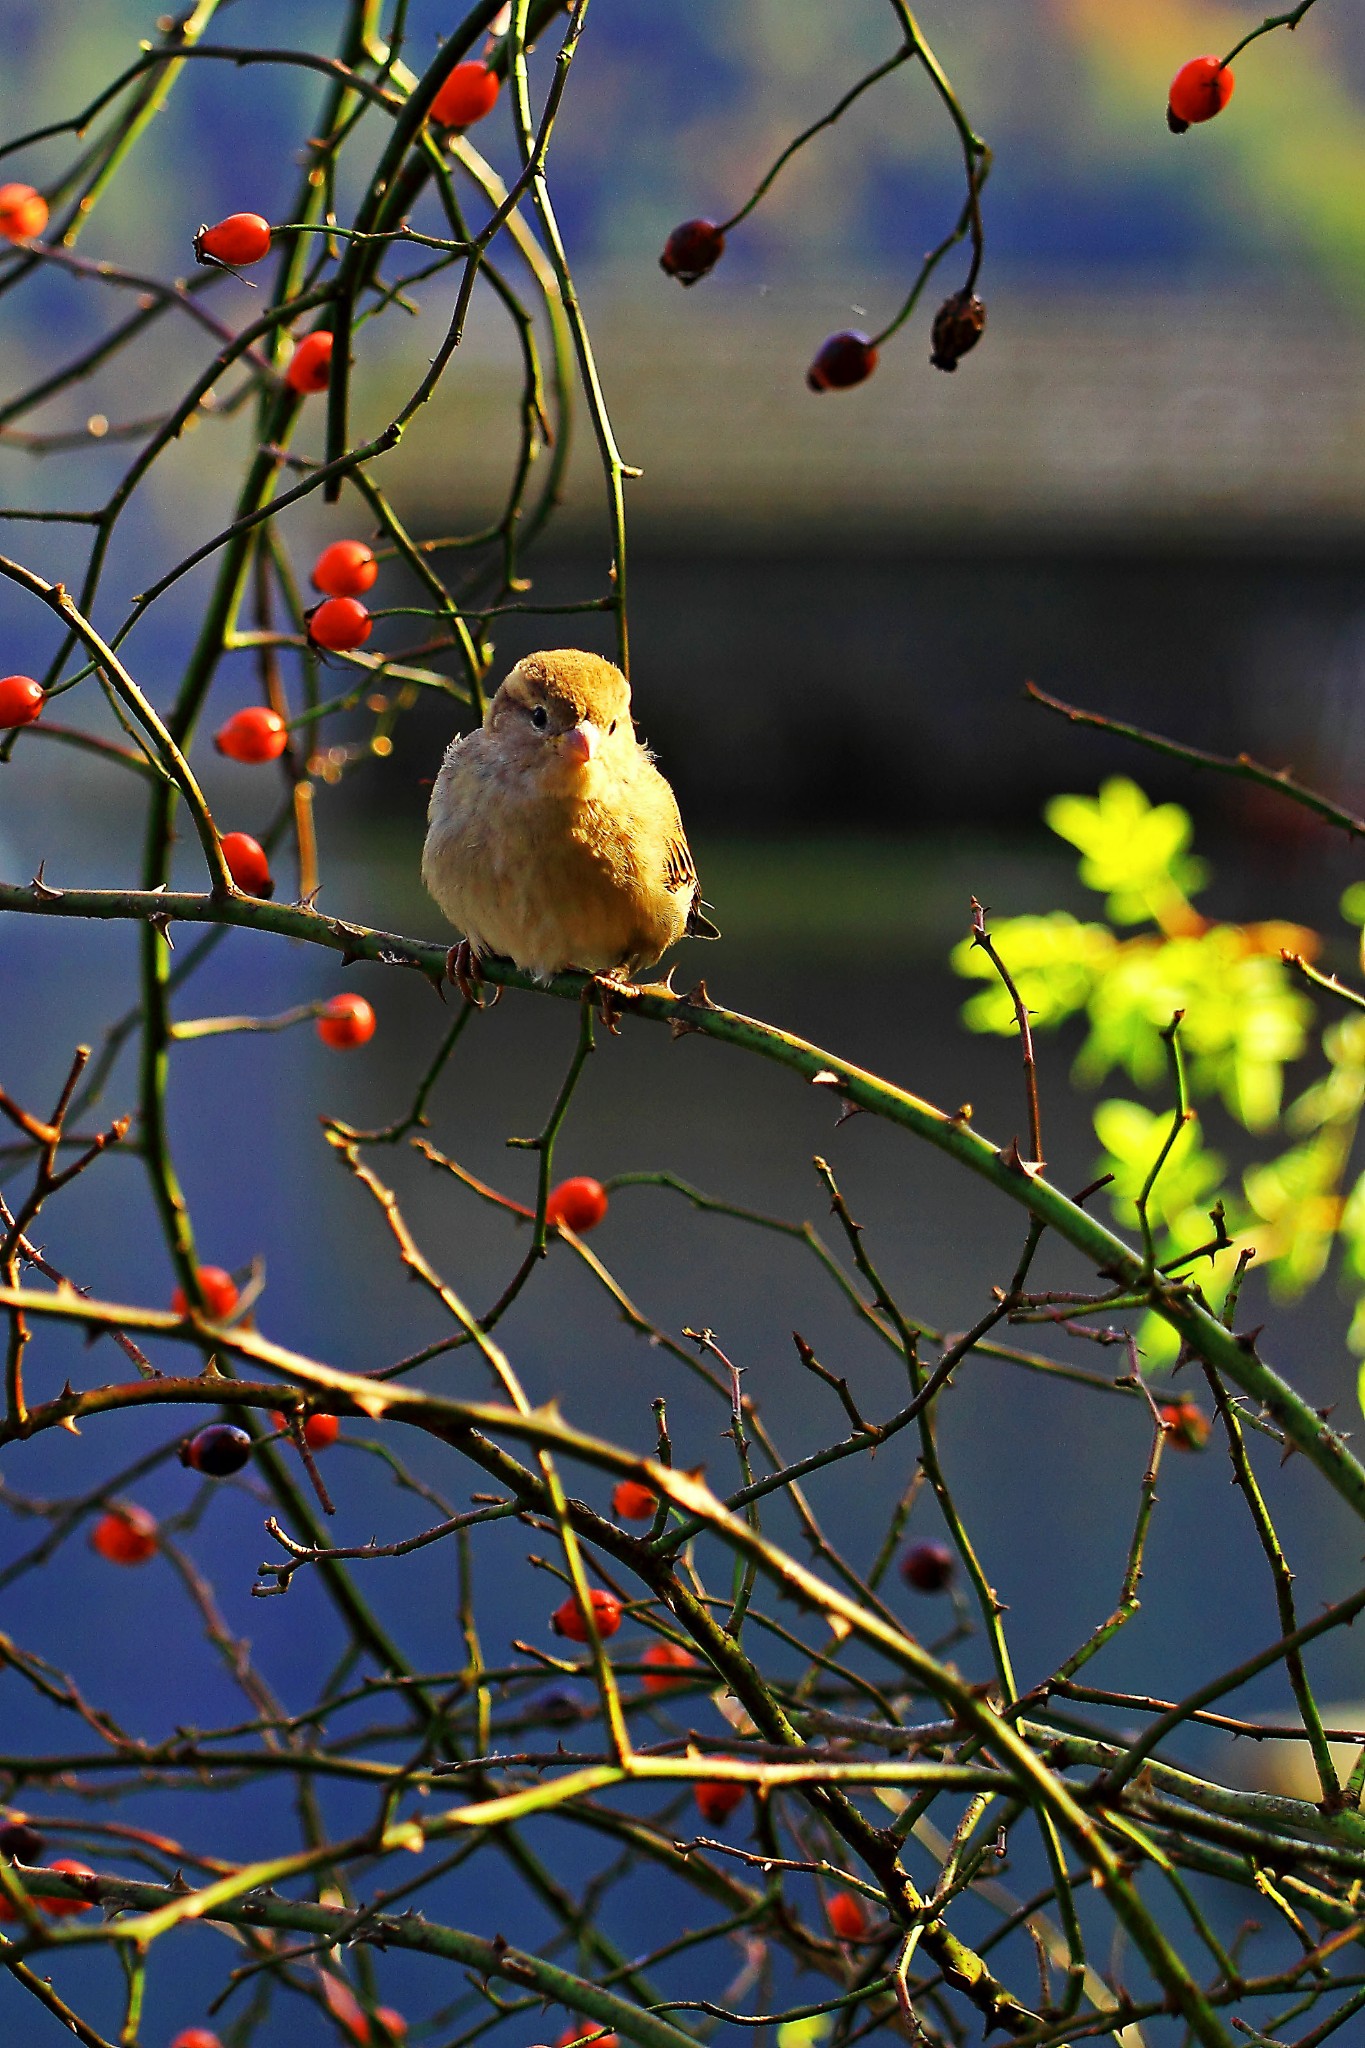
<point x="217" y="1451"/>
<point x="927" y="1567"/>
<point x="21" y="1842"/>
<point x="692" y="249"/>
<point x="844" y="360"/>
<point x="958" y="326"/>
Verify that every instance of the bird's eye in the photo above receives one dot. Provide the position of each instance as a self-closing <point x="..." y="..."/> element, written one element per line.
<point x="540" y="718"/>
<point x="611" y="728"/>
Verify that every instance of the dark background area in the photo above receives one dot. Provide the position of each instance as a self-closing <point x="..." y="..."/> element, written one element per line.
<point x="1146" y="492"/>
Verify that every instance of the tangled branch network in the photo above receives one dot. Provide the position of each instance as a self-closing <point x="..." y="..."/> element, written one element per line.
<point x="838" y="1826"/>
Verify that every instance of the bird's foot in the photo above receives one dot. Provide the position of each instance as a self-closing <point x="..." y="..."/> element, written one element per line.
<point x="613" y="993"/>
<point x="463" y="968"/>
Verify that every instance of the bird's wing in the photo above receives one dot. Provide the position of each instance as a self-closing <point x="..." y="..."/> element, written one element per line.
<point x="667" y="845"/>
<point x="679" y="866"/>
<point x="680" y="872"/>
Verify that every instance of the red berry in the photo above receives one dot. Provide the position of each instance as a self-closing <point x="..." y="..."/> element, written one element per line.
<point x="585" y="2030"/>
<point x="567" y="1619"/>
<point x="21" y="700"/>
<point x="848" y="1916"/>
<point x="247" y="864"/>
<point x="219" y="1290"/>
<point x="633" y="1502"/>
<point x="125" y="1535"/>
<point x="1186" y="1425"/>
<point x="23" y="213"/>
<point x="346" y="1021"/>
<point x="345" y="569"/>
<point x="256" y="734"/>
<point x="60" y="1908"/>
<point x="717" y="1799"/>
<point x="217" y="1451"/>
<point x="392" y="2022"/>
<point x="340" y="623"/>
<point x="345" y="2009"/>
<point x="1199" y="90"/>
<point x="241" y="239"/>
<point x="842" y="361"/>
<point x="470" y="92"/>
<point x="667" y="1657"/>
<point x="691" y="250"/>
<point x="580" y="1202"/>
<point x="320" y="1432"/>
<point x="196" y="2037"/>
<point x="927" y="1567"/>
<point x="365" y="2035"/>
<point x="310" y="366"/>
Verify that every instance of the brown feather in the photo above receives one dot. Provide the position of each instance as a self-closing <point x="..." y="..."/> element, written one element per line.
<point x="549" y="861"/>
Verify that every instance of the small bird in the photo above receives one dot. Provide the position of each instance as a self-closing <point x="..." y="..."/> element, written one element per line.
<point x="552" y="837"/>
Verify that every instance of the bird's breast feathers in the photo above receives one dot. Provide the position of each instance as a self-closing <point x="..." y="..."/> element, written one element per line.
<point x="599" y="878"/>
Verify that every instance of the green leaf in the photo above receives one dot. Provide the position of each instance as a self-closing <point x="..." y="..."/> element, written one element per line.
<point x="1157" y="1343"/>
<point x="1132" y="851"/>
<point x="1244" y="1020"/>
<point x="1132" y="1137"/>
<point x="805" y="2033"/>
<point x="1055" y="962"/>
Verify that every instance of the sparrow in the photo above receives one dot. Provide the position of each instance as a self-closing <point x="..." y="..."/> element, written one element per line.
<point x="552" y="838"/>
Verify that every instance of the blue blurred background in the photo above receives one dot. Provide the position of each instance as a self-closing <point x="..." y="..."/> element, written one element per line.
<point x="1145" y="490"/>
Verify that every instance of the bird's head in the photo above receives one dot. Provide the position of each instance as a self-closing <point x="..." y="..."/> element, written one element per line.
<point x="557" y="713"/>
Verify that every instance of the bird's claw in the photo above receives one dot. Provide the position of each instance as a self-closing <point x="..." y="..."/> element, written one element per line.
<point x="464" y="969"/>
<point x="613" y="994"/>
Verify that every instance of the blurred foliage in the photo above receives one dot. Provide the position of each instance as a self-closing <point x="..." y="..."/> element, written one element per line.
<point x="1244" y="1024"/>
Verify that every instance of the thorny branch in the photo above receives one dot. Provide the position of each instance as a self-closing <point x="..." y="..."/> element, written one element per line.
<point x="891" y="1784"/>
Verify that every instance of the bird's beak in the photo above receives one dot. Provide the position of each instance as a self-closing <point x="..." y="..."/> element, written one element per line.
<point x="581" y="742"/>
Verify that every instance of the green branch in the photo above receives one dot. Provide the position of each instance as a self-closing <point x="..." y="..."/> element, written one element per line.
<point x="1176" y="1303"/>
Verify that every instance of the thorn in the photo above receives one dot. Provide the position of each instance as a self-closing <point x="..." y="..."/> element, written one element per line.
<point x="1016" y="1162"/>
<point x="698" y="998"/>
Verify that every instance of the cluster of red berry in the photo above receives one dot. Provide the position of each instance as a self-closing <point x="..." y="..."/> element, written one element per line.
<point x="126" y="1533"/>
<point x="258" y="734"/>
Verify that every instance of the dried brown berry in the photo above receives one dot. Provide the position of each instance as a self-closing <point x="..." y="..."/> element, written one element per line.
<point x="691" y="250"/>
<point x="958" y="326"/>
<point x="841" y="362"/>
<point x="20" y="1841"/>
<point x="927" y="1567"/>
